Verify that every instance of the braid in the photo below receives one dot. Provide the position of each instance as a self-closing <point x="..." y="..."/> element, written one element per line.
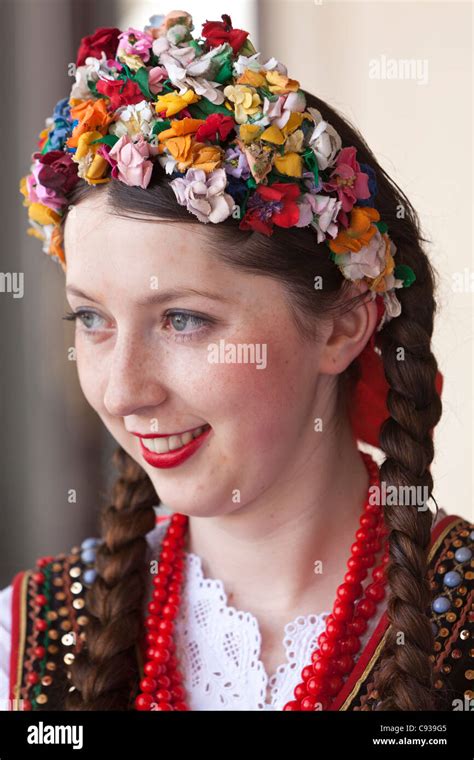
<point x="404" y="680"/>
<point x="103" y="671"/>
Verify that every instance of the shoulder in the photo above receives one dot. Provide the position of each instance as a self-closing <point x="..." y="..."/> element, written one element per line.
<point x="451" y="578"/>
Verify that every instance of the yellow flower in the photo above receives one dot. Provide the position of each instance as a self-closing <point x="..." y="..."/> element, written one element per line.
<point x="280" y="84"/>
<point x="92" y="167"/>
<point x="172" y="103"/>
<point x="273" y="135"/>
<point x="134" y="62"/>
<point x="206" y="157"/>
<point x="24" y="191"/>
<point x="249" y="132"/>
<point x="293" y="123"/>
<point x="246" y="101"/>
<point x="43" y="214"/>
<point x="290" y="163"/>
<point x="294" y="143"/>
<point x="378" y="283"/>
<point x="253" y="78"/>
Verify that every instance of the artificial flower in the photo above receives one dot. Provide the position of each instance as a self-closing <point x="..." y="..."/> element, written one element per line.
<point x="217" y="32"/>
<point x="177" y="24"/>
<point x="104" y="39"/>
<point x="373" y="262"/>
<point x="204" y="195"/>
<point x="172" y="103"/>
<point x="136" y="43"/>
<point x="134" y="120"/>
<point x="358" y="234"/>
<point x="216" y="127"/>
<point x="246" y="101"/>
<point x="321" y="212"/>
<point x="348" y="180"/>
<point x="133" y="164"/>
<point x="120" y="92"/>
<point x="53" y="175"/>
<point x="91" y="115"/>
<point x="91" y="164"/>
<point x="269" y="205"/>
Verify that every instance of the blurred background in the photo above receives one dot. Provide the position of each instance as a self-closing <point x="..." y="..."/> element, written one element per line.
<point x="400" y="71"/>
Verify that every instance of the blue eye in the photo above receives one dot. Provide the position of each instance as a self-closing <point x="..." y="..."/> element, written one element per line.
<point x="84" y="315"/>
<point x="181" y="319"/>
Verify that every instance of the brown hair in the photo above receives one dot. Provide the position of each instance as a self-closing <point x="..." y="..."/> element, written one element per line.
<point x="104" y="671"/>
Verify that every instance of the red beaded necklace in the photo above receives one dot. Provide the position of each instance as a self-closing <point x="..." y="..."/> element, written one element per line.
<point x="333" y="659"/>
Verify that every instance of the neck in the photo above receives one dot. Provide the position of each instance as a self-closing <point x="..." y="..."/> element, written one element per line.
<point x="265" y="552"/>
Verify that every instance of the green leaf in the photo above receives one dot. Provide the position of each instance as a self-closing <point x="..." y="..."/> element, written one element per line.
<point x="405" y="273"/>
<point x="382" y="226"/>
<point x="310" y="160"/>
<point x="160" y="126"/>
<point x="107" y="139"/>
<point x="141" y="78"/>
<point x="204" y="107"/>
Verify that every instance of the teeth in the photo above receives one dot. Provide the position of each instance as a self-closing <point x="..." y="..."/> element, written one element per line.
<point x="172" y="442"/>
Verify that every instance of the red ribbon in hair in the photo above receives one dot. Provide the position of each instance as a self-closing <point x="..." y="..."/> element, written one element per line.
<point x="368" y="408"/>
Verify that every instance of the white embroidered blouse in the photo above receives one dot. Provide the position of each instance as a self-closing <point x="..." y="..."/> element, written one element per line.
<point x="217" y="645"/>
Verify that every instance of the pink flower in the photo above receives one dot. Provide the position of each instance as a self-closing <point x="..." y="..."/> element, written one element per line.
<point x="133" y="166"/>
<point x="347" y="180"/>
<point x="156" y="75"/>
<point x="321" y="212"/>
<point x="135" y="42"/>
<point x="52" y="176"/>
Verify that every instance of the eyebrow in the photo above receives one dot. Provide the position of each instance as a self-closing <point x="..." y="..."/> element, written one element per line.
<point x="161" y="297"/>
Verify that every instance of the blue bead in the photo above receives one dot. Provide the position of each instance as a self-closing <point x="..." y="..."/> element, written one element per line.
<point x="434" y="628"/>
<point x="89" y="576"/>
<point x="88" y="542"/>
<point x="452" y="579"/>
<point x="463" y="555"/>
<point x="88" y="555"/>
<point x="441" y="604"/>
<point x="471" y="535"/>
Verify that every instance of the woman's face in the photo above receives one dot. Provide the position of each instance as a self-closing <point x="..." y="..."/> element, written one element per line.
<point x="148" y="358"/>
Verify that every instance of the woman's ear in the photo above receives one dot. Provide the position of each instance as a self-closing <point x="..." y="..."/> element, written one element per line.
<point x="349" y="336"/>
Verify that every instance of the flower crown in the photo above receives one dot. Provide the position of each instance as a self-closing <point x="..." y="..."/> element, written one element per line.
<point x="234" y="135"/>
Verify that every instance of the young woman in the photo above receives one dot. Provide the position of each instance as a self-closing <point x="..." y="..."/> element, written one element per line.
<point x="251" y="308"/>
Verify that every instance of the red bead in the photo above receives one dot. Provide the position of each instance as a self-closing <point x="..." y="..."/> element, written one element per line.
<point x="177" y="693"/>
<point x="365" y="534"/>
<point x="379" y="574"/>
<point x="163" y="695"/>
<point x="358" y="626"/>
<point x="347" y="592"/>
<point x="343" y="611"/>
<point x="40" y="624"/>
<point x="365" y="608"/>
<point x="322" y="667"/>
<point x="167" y="556"/>
<point x="160" y="594"/>
<point x="355" y="576"/>
<point x="335" y="629"/>
<point x="343" y="664"/>
<point x="26" y="704"/>
<point x="166" y="626"/>
<point x="180" y="706"/>
<point x="161" y="655"/>
<point x="164" y="640"/>
<point x="368" y="520"/>
<point x="144" y="702"/>
<point x="152" y="669"/>
<point x="330" y="648"/>
<point x="162" y="706"/>
<point x="41" y="600"/>
<point x="147" y="684"/>
<point x="32" y="678"/>
<point x="307" y="672"/>
<point x="307" y="704"/>
<point x="39" y="651"/>
<point x="334" y="685"/>
<point x="38" y="577"/>
<point x="292" y="706"/>
<point x="349" y="644"/>
<point x="151" y="621"/>
<point x="170" y="611"/>
<point x="316" y="686"/>
<point x="163" y="682"/>
<point x="300" y="692"/>
<point x="375" y="591"/>
<point x="164" y="568"/>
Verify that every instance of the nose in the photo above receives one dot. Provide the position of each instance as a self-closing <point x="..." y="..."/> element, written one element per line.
<point x="132" y="382"/>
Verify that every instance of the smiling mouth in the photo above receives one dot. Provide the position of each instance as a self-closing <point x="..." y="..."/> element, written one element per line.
<point x="164" y="444"/>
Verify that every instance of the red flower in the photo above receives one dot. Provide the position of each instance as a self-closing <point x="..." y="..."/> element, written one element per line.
<point x="105" y="38"/>
<point x="269" y="205"/>
<point x="216" y="127"/>
<point x="58" y="171"/>
<point x="218" y="32"/>
<point x="121" y="92"/>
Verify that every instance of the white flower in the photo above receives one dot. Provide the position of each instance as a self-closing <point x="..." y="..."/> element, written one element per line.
<point x="91" y="71"/>
<point x="186" y="70"/>
<point x="324" y="140"/>
<point x="321" y="212"/>
<point x="368" y="262"/>
<point x="279" y="111"/>
<point x="204" y="195"/>
<point x="134" y="120"/>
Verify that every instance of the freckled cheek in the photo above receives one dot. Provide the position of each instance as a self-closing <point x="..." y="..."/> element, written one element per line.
<point x="251" y="403"/>
<point x="92" y="377"/>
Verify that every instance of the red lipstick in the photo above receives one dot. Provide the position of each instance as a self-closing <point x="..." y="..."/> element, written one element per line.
<point x="176" y="457"/>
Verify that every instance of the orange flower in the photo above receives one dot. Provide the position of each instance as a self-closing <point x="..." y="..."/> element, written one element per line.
<point x="178" y="139"/>
<point x="359" y="232"/>
<point x="92" y="116"/>
<point x="56" y="247"/>
<point x="206" y="157"/>
<point x="253" y="78"/>
<point x="181" y="127"/>
<point x="378" y="283"/>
